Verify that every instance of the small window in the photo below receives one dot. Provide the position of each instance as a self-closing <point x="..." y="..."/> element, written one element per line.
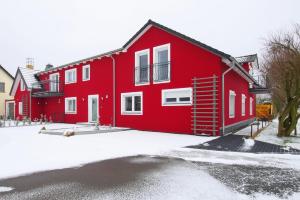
<point x="131" y="103"/>
<point x="22" y="85"/>
<point x="231" y="104"/>
<point x="243" y="105"/>
<point x="70" y="76"/>
<point x="142" y="67"/>
<point x="2" y="87"/>
<point x="177" y="97"/>
<point x="71" y="105"/>
<point x="161" y="63"/>
<point x="20" y="108"/>
<point x="85" y="72"/>
<point x="251" y="106"/>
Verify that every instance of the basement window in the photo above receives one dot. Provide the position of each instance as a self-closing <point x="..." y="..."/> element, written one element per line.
<point x="231" y="104"/>
<point x="71" y="105"/>
<point x="132" y="103"/>
<point x="177" y="97"/>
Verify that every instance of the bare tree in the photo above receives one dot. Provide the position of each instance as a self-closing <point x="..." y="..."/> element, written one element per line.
<point x="282" y="69"/>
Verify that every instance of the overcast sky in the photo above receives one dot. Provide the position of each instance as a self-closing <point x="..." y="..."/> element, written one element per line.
<point x="62" y="31"/>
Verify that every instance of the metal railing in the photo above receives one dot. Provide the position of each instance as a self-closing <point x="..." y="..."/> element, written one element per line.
<point x="142" y="74"/>
<point x="47" y="88"/>
<point x="161" y="72"/>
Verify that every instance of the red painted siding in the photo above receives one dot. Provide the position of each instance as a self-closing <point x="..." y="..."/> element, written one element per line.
<point x="187" y="61"/>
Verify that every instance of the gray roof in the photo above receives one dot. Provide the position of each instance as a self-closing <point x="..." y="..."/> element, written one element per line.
<point x="248" y="59"/>
<point x="29" y="76"/>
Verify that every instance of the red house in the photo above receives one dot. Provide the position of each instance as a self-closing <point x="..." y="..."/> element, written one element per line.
<point x="160" y="80"/>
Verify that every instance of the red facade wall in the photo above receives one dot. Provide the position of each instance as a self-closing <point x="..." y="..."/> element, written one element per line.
<point x="235" y="82"/>
<point x="100" y="83"/>
<point x="187" y="61"/>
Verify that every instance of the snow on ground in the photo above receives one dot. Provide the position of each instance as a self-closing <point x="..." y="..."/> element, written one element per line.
<point x="247" y="130"/>
<point x="237" y="158"/>
<point x="5" y="189"/>
<point x="270" y="135"/>
<point x="23" y="150"/>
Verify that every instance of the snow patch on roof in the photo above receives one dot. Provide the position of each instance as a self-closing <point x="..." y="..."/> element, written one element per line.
<point x="29" y="76"/>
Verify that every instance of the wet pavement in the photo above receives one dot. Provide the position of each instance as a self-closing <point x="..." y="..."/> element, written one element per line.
<point x="144" y="177"/>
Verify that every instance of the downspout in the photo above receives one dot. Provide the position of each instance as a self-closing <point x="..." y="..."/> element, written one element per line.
<point x="30" y="105"/>
<point x="114" y="90"/>
<point x="223" y="91"/>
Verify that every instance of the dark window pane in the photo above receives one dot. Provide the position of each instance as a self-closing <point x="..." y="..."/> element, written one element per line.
<point x="169" y="100"/>
<point x="128" y="103"/>
<point x="144" y="60"/>
<point x="137" y="103"/>
<point x="2" y="87"/>
<point x="184" y="99"/>
<point x="163" y="56"/>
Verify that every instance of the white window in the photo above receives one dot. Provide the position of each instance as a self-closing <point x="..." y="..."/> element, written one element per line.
<point x="20" y="108"/>
<point x="142" y="67"/>
<point x="22" y="85"/>
<point x="71" y="76"/>
<point x="251" y="106"/>
<point x="71" y="105"/>
<point x="231" y="104"/>
<point x="243" y="105"/>
<point x="54" y="82"/>
<point x="86" y="72"/>
<point x="177" y="97"/>
<point x="132" y="103"/>
<point x="161" y="64"/>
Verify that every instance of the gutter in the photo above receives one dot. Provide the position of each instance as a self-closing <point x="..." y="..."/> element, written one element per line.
<point x="114" y="90"/>
<point x="231" y="65"/>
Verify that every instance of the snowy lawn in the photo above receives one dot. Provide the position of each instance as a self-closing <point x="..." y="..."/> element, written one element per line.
<point x="23" y="150"/>
<point x="270" y="135"/>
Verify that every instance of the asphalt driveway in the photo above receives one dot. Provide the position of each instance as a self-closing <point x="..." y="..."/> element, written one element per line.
<point x="144" y="177"/>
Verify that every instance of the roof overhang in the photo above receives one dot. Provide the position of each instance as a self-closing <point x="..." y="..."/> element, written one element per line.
<point x="16" y="82"/>
<point x="82" y="61"/>
<point x="238" y="68"/>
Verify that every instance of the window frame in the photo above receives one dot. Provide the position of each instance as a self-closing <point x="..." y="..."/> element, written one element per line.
<point x="66" y="76"/>
<point x="132" y="95"/>
<point x="231" y="93"/>
<point x="67" y="99"/>
<point x="251" y="106"/>
<point x="177" y="103"/>
<point x="83" y="72"/>
<point x="155" y="58"/>
<point x="22" y="85"/>
<point x="137" y="54"/>
<point x="51" y="83"/>
<point x="243" y="104"/>
<point x="2" y="83"/>
<point x="20" y="107"/>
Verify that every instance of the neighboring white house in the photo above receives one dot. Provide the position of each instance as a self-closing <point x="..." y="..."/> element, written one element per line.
<point x="6" y="81"/>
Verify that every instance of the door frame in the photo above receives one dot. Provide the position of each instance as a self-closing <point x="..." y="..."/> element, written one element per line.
<point x="90" y="112"/>
<point x="7" y="108"/>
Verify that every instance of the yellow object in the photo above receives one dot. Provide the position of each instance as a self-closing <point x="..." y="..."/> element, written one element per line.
<point x="264" y="111"/>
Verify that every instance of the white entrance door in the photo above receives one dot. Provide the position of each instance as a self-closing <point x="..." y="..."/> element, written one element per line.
<point x="10" y="110"/>
<point x="93" y="107"/>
